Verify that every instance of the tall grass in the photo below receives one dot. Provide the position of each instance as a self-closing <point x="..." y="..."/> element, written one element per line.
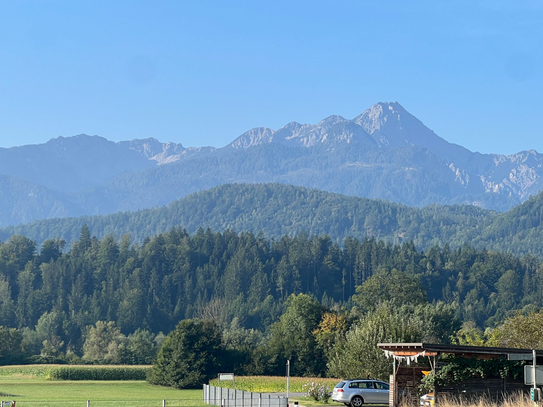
<point x="28" y="371"/>
<point x="512" y="400"/>
<point x="73" y="372"/>
<point x="271" y="384"/>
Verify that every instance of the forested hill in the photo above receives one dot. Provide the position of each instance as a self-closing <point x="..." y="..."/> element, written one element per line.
<point x="277" y="210"/>
<point x="519" y="230"/>
<point x="238" y="279"/>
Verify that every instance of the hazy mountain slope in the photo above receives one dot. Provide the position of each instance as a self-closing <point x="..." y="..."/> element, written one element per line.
<point x="384" y="153"/>
<point x="519" y="230"/>
<point x="410" y="175"/>
<point x="277" y="210"/>
<point x="22" y="202"/>
<point x="71" y="164"/>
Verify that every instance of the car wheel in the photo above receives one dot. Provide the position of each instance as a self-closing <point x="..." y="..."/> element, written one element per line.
<point x="357" y="401"/>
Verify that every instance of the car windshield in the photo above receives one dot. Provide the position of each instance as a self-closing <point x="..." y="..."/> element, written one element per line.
<point x="339" y="385"/>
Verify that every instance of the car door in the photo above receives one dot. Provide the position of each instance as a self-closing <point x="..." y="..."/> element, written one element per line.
<point x="353" y="389"/>
<point x="368" y="392"/>
<point x="381" y="394"/>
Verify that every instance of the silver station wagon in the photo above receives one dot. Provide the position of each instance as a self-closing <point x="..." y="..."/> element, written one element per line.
<point x="356" y="392"/>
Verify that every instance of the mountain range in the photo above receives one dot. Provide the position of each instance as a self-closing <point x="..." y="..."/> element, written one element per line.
<point x="383" y="153"/>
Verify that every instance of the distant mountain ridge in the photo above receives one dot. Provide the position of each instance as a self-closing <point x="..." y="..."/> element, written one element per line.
<point x="277" y="210"/>
<point x="383" y="153"/>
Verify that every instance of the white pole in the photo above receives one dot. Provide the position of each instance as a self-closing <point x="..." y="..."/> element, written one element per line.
<point x="288" y="376"/>
<point x="534" y="356"/>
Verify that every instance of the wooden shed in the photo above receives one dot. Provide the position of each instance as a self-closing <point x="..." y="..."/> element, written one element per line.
<point x="408" y="372"/>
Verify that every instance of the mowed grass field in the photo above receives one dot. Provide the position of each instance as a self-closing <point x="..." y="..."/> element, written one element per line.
<point x="31" y="386"/>
<point x="28" y="386"/>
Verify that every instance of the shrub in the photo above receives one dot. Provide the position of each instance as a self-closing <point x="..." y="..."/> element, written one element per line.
<point x="318" y="391"/>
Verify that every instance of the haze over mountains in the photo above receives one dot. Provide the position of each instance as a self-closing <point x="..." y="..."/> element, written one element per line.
<point x="383" y="153"/>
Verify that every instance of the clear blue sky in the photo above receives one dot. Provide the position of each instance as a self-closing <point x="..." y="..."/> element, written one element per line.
<point x="203" y="72"/>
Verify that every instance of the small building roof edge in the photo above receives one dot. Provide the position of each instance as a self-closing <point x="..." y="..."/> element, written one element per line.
<point x="430" y="347"/>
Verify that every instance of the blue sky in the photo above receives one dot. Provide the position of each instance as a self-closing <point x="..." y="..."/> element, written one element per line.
<point x="203" y="72"/>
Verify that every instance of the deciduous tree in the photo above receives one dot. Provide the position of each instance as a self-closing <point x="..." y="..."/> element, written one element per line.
<point x="190" y="355"/>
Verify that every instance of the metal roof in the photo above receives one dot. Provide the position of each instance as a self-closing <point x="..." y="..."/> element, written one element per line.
<point x="416" y="348"/>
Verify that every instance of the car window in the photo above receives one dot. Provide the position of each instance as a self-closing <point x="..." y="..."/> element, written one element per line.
<point x="353" y="385"/>
<point x="340" y="385"/>
<point x="365" y="385"/>
<point x="381" y="386"/>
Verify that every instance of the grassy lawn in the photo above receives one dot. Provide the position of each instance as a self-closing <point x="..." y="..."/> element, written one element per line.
<point x="27" y="388"/>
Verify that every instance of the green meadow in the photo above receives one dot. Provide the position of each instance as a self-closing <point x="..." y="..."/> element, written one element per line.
<point x="29" y="386"/>
<point x="32" y="385"/>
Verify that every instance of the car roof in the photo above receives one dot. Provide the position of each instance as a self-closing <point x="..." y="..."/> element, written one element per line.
<point x="364" y="380"/>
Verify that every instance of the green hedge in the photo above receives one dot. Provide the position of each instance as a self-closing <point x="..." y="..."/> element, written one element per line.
<point x="98" y="373"/>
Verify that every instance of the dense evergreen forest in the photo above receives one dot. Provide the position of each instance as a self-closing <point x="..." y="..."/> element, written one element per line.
<point x="241" y="280"/>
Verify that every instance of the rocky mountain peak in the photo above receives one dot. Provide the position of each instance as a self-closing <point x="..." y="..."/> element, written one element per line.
<point x="330" y="121"/>
<point x="253" y="137"/>
<point x="385" y="122"/>
<point x="78" y="142"/>
<point x="154" y="150"/>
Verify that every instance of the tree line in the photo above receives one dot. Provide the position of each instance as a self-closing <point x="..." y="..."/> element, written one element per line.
<point x="113" y="300"/>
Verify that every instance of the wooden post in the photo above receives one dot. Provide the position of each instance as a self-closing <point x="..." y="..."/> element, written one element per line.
<point x="392" y="391"/>
<point x="395" y="392"/>
<point x="436" y="358"/>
